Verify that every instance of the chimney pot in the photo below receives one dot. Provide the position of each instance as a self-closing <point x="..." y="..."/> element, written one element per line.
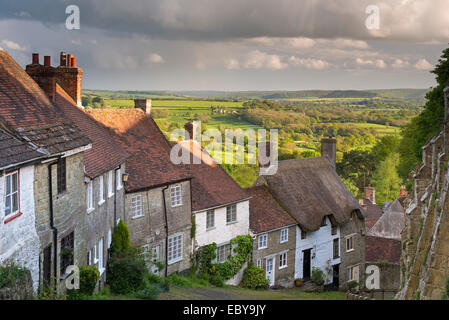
<point x="35" y="58"/>
<point x="370" y="193"/>
<point x="47" y="61"/>
<point x="63" y="59"/>
<point x="69" y="60"/>
<point x="73" y="61"/>
<point x="144" y="104"/>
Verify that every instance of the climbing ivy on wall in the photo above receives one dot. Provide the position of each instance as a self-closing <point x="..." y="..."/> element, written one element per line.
<point x="241" y="246"/>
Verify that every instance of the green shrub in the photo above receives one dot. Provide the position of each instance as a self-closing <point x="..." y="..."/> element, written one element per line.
<point x="188" y="281"/>
<point x="89" y="276"/>
<point x="154" y="278"/>
<point x="10" y="273"/>
<point x="78" y="295"/>
<point x="217" y="281"/>
<point x="150" y="291"/>
<point x="254" y="278"/>
<point x="126" y="273"/>
<point x="120" y="239"/>
<point x="318" y="277"/>
<point x="446" y="292"/>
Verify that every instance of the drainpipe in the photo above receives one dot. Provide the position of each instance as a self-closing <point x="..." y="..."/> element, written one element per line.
<point x="115" y="196"/>
<point x="166" y="230"/>
<point x="52" y="223"/>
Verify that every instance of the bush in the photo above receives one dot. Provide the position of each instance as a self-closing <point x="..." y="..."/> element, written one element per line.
<point x="189" y="281"/>
<point x="318" y="277"/>
<point x="89" y="276"/>
<point x="217" y="281"/>
<point x="10" y="273"/>
<point x="120" y="239"/>
<point x="126" y="273"/>
<point x="254" y="278"/>
<point x="150" y="291"/>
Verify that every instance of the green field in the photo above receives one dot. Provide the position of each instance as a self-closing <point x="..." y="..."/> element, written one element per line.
<point x="380" y="128"/>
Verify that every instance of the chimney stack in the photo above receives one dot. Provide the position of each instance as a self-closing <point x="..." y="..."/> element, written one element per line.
<point x="35" y="59"/>
<point x="144" y="104"/>
<point x="403" y="192"/>
<point x="191" y="131"/>
<point x="370" y="193"/>
<point x="329" y="150"/>
<point x="67" y="75"/>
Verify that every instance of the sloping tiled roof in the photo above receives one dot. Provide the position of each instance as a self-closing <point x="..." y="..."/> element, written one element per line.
<point x="265" y="213"/>
<point x="106" y="153"/>
<point x="211" y="185"/>
<point x="372" y="213"/>
<point x="149" y="164"/>
<point x="25" y="108"/>
<point x="14" y="151"/>
<point x="382" y="249"/>
<point x="391" y="223"/>
<point x="310" y="189"/>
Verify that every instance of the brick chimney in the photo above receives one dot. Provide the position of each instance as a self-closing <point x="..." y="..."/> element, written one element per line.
<point x="44" y="75"/>
<point x="403" y="192"/>
<point x="191" y="131"/>
<point x="144" y="104"/>
<point x="329" y="150"/>
<point x="67" y="76"/>
<point x="370" y="193"/>
<point x="264" y="156"/>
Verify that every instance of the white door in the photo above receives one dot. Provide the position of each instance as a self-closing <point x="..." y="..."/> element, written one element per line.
<point x="269" y="271"/>
<point x="155" y="256"/>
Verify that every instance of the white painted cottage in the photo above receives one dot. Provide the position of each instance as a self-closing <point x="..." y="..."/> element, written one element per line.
<point x="19" y="242"/>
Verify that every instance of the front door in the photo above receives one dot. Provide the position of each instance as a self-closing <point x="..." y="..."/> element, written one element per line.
<point x="336" y="276"/>
<point x="306" y="264"/>
<point x="47" y="266"/>
<point x="269" y="271"/>
<point x="155" y="257"/>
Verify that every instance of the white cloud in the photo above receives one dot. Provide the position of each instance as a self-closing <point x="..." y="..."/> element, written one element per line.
<point x="399" y="64"/>
<point x="423" y="64"/>
<point x="378" y="63"/>
<point x="309" y="63"/>
<point x="155" y="58"/>
<point x="232" y="64"/>
<point x="258" y="60"/>
<point x="11" y="45"/>
<point x="347" y="43"/>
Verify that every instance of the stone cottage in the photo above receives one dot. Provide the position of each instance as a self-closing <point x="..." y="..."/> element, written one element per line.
<point x="19" y="242"/>
<point x="330" y="232"/>
<point x="104" y="166"/>
<point x="274" y="234"/>
<point x="27" y="109"/>
<point x="157" y="192"/>
<point x="220" y="207"/>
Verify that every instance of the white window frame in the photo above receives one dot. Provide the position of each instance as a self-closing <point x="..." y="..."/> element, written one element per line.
<point x="350" y="273"/>
<point x="176" y="196"/>
<point x="231" y="213"/>
<point x="262" y="241"/>
<point x="95" y="254"/>
<point x="210" y="225"/>
<point x="259" y="263"/>
<point x="226" y="252"/>
<point x="101" y="190"/>
<point x="12" y="193"/>
<point x="101" y="267"/>
<point x="90" y="197"/>
<point x="283" y="260"/>
<point x="109" y="238"/>
<point x="179" y="239"/>
<point x="118" y="176"/>
<point x="136" y="206"/>
<point x="110" y="183"/>
<point x="350" y="239"/>
<point x="284" y="235"/>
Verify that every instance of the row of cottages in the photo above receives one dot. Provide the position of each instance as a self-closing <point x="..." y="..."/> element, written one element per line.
<point x="303" y="217"/>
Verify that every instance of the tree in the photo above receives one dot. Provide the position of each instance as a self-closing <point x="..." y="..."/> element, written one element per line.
<point x="386" y="179"/>
<point x="358" y="166"/>
<point x="427" y="124"/>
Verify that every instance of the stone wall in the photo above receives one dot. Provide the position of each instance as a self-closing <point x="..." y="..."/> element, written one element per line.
<point x="390" y="275"/>
<point x="22" y="289"/>
<point x="282" y="277"/>
<point x="69" y="210"/>
<point x="148" y="229"/>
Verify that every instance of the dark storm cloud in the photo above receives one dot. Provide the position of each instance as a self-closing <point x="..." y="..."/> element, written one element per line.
<point x="215" y="20"/>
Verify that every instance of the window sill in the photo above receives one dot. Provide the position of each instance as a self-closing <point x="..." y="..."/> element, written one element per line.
<point x="261" y="248"/>
<point x="102" y="270"/>
<point x="232" y="222"/>
<point x="211" y="228"/>
<point x="283" y="267"/>
<point x="174" y="261"/>
<point x="101" y="202"/>
<point x="110" y="195"/>
<point x="178" y="205"/>
<point x="90" y="210"/>
<point x="285" y="241"/>
<point x="119" y="188"/>
<point x="14" y="216"/>
<point x="137" y="217"/>
<point x="350" y="250"/>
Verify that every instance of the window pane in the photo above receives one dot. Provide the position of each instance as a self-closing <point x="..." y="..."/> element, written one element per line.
<point x="8" y="205"/>
<point x="8" y="184"/>
<point x="15" y="202"/>
<point x="14" y="182"/>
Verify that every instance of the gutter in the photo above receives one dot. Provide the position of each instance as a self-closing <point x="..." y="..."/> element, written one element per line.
<point x="52" y="222"/>
<point x="166" y="230"/>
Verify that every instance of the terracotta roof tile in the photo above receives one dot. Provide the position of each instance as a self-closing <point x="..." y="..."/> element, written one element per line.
<point x="106" y="153"/>
<point x="372" y="213"/>
<point x="382" y="249"/>
<point x="149" y="164"/>
<point x="211" y="184"/>
<point x="25" y="108"/>
<point x="265" y="213"/>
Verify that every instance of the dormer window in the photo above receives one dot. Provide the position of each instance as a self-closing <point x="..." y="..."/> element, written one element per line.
<point x="323" y="222"/>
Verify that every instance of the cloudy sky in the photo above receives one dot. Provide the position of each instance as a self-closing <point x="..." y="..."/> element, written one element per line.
<point x="235" y="44"/>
